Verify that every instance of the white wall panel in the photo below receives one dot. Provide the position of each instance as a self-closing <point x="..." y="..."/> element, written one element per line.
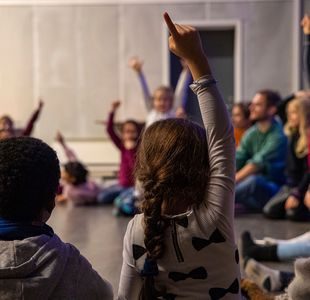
<point x="16" y="63"/>
<point x="75" y="56"/>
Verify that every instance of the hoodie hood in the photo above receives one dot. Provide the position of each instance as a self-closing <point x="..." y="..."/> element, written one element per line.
<point x="41" y="259"/>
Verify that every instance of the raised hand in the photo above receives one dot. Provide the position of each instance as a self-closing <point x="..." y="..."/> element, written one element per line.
<point x="41" y="104"/>
<point x="184" y="41"/>
<point x="115" y="105"/>
<point x="59" y="138"/>
<point x="135" y="64"/>
<point x="305" y="24"/>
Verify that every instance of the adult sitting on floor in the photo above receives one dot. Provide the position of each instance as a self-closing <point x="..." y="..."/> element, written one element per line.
<point x="260" y="158"/>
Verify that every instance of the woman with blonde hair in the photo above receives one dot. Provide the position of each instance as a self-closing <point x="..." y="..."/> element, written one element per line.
<point x="287" y="203"/>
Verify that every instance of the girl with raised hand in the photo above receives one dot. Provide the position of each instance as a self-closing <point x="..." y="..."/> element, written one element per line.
<point x="77" y="188"/>
<point x="7" y="126"/>
<point x="164" y="103"/>
<point x="182" y="246"/>
<point x="127" y="142"/>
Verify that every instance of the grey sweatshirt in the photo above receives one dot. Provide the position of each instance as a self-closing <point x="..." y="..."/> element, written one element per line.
<point x="201" y="260"/>
<point x="44" y="267"/>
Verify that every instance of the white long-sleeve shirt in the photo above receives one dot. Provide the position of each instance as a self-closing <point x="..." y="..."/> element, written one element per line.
<point x="180" y="97"/>
<point x="201" y="259"/>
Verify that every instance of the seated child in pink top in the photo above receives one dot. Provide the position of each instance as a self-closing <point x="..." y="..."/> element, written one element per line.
<point x="77" y="188"/>
<point x="127" y="143"/>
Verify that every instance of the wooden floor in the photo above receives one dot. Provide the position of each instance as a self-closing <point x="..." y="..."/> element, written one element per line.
<point x="98" y="235"/>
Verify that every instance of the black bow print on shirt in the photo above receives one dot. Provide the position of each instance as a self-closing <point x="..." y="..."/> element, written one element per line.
<point x="199" y="273"/>
<point x="218" y="293"/>
<point x="138" y="251"/>
<point x="237" y="256"/>
<point x="216" y="237"/>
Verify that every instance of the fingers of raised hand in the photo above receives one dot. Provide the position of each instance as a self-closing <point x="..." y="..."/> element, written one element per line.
<point x="135" y="63"/>
<point x="116" y="104"/>
<point x="59" y="136"/>
<point x="171" y="26"/>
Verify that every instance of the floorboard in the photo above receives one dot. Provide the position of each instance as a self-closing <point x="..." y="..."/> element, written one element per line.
<point x="99" y="235"/>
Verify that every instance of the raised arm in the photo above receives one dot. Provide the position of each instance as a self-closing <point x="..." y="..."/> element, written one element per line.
<point x="71" y="156"/>
<point x="110" y="126"/>
<point x="136" y="65"/>
<point x="34" y="117"/>
<point x="185" y="42"/>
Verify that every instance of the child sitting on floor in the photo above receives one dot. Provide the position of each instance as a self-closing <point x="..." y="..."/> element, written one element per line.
<point x="127" y="143"/>
<point x="164" y="103"/>
<point x="7" y="128"/>
<point x="240" y="117"/>
<point x="77" y="188"/>
<point x="182" y="246"/>
<point x="288" y="202"/>
<point x="35" y="263"/>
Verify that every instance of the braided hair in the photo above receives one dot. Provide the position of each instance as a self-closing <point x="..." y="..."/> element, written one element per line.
<point x="172" y="167"/>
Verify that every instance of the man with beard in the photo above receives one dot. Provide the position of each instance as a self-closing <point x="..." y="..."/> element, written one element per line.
<point x="260" y="158"/>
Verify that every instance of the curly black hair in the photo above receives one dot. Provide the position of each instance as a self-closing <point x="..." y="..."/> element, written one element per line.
<point x="29" y="178"/>
<point x="77" y="171"/>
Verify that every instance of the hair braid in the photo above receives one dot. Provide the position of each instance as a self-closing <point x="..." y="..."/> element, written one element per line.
<point x="173" y="172"/>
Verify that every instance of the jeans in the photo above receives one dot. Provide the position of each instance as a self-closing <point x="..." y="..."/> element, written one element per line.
<point x="292" y="251"/>
<point x="108" y="195"/>
<point x="274" y="209"/>
<point x="255" y="191"/>
<point x="125" y="203"/>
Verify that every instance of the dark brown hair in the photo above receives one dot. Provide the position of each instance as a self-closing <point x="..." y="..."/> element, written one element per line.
<point x="134" y="123"/>
<point x="172" y="168"/>
<point x="273" y="98"/>
<point x="8" y="119"/>
<point x="244" y="107"/>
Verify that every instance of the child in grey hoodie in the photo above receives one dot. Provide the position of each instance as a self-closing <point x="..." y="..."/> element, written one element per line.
<point x="34" y="262"/>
